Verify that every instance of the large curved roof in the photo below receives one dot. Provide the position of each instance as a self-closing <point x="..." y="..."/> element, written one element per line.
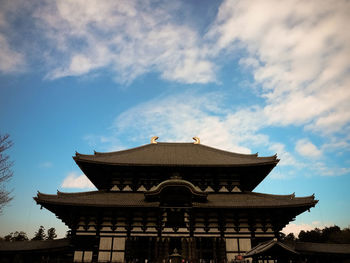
<point x="175" y="154"/>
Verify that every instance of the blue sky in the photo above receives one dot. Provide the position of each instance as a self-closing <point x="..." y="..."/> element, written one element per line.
<point x="245" y="76"/>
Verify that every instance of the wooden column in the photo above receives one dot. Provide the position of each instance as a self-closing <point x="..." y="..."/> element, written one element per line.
<point x="149" y="250"/>
<point x="214" y="249"/>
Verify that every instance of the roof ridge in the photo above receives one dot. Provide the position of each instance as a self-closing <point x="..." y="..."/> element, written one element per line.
<point x="291" y="196"/>
<point x="276" y="195"/>
<point x="210" y="148"/>
<point x="228" y="152"/>
<point x="43" y="194"/>
<point x="113" y="152"/>
<point x="59" y="193"/>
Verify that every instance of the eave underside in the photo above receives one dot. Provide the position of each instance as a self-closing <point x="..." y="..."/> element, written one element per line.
<point x="248" y="206"/>
<point x="105" y="176"/>
<point x="214" y="200"/>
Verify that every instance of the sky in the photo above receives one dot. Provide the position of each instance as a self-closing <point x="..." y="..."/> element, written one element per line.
<point x="247" y="76"/>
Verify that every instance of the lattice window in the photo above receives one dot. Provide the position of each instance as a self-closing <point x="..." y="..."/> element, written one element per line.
<point x="111" y="249"/>
<point x="236" y="247"/>
<point x="82" y="256"/>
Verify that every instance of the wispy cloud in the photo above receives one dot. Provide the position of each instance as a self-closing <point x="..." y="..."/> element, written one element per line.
<point x="295" y="50"/>
<point x="298" y="52"/>
<point x="323" y="169"/>
<point x="182" y="116"/>
<point x="129" y="37"/>
<point x="179" y="117"/>
<point x="11" y="60"/>
<point x="75" y="180"/>
<point x="286" y="158"/>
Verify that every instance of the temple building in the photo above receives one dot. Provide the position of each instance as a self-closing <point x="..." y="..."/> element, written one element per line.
<point x="162" y="199"/>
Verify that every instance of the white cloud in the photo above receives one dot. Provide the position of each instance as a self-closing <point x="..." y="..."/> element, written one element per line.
<point x="74" y="180"/>
<point x="298" y="52"/>
<point x="286" y="158"/>
<point x="307" y="149"/>
<point x="10" y="59"/>
<point x="339" y="145"/>
<point x="180" y="117"/>
<point x="129" y="37"/>
<point x="329" y="170"/>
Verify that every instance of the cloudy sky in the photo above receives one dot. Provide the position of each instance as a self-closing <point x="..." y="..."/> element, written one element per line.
<point x="246" y="76"/>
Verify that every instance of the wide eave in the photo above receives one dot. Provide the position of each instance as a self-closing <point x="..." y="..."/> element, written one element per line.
<point x="248" y="200"/>
<point x="66" y="206"/>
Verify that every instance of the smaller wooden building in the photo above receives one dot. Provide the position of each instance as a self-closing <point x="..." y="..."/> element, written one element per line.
<point x="274" y="251"/>
<point x="45" y="251"/>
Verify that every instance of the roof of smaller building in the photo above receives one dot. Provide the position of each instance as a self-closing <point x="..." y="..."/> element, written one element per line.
<point x="175" y="154"/>
<point x="265" y="248"/>
<point x="327" y="248"/>
<point x="268" y="246"/>
<point x="34" y="245"/>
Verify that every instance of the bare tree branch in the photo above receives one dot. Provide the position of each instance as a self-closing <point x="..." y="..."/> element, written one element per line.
<point x="5" y="170"/>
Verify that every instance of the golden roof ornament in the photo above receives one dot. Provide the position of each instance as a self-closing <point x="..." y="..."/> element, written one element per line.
<point x="154" y="139"/>
<point x="196" y="140"/>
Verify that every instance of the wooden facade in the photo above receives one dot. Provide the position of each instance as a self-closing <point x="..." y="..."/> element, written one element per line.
<point x="165" y="197"/>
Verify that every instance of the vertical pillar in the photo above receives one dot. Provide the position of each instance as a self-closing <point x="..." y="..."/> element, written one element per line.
<point x="166" y="249"/>
<point x="149" y="249"/>
<point x="156" y="248"/>
<point x="193" y="249"/>
<point x="184" y="248"/>
<point x="99" y="220"/>
<point x="128" y="249"/>
<point x="223" y="250"/>
<point x="214" y="249"/>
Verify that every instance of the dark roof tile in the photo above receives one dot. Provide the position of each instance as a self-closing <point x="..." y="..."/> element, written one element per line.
<point x="176" y="154"/>
<point x="137" y="199"/>
<point x="266" y="246"/>
<point x="34" y="245"/>
<point x="309" y="247"/>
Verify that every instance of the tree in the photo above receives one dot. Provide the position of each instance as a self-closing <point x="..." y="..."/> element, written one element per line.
<point x="329" y="232"/>
<point x="51" y="233"/>
<point x="40" y="234"/>
<point x="290" y="238"/>
<point x="16" y="236"/>
<point x="332" y="234"/>
<point x="5" y="170"/>
<point x="311" y="236"/>
<point x="342" y="237"/>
